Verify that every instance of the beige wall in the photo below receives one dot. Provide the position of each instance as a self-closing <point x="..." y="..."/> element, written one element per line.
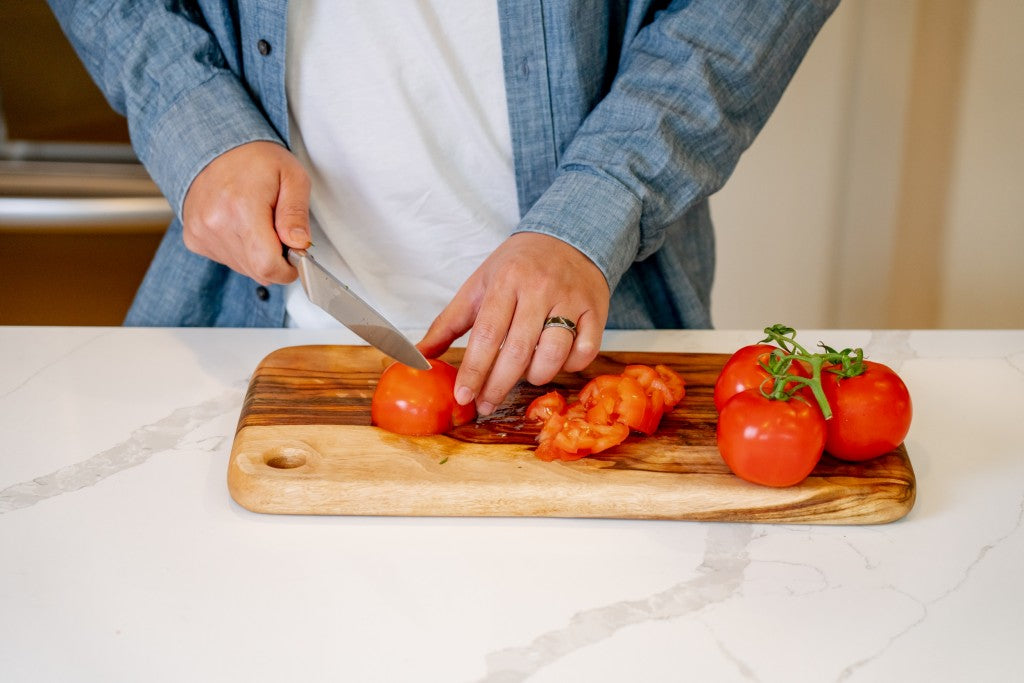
<point x="890" y="179"/>
<point x="983" y="262"/>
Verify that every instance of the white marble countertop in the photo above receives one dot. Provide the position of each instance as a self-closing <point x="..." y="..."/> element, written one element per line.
<point x="125" y="559"/>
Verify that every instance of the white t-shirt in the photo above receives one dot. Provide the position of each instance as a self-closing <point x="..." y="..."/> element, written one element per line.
<point x="398" y="112"/>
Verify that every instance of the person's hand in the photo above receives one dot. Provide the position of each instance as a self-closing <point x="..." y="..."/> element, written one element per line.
<point x="529" y="278"/>
<point x="244" y="205"/>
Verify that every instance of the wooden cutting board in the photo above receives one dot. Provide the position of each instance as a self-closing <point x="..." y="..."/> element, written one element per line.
<point x="305" y="445"/>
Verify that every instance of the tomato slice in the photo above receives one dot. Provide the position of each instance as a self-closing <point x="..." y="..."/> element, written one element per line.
<point x="660" y="379"/>
<point x="577" y="438"/>
<point x="619" y="398"/>
<point x="607" y="409"/>
<point x="543" y="407"/>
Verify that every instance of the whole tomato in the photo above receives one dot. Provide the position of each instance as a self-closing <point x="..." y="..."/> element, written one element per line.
<point x="418" y="402"/>
<point x="743" y="371"/>
<point x="871" y="412"/>
<point x="770" y="442"/>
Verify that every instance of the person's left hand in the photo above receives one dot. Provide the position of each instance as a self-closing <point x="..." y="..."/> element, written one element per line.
<point x="529" y="278"/>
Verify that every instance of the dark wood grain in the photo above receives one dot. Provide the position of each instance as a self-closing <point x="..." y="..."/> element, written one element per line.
<point x="304" y="444"/>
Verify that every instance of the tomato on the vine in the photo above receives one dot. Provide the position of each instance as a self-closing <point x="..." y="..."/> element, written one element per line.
<point x="768" y="441"/>
<point x="418" y="402"/>
<point x="743" y="371"/>
<point x="871" y="412"/>
<point x="861" y="409"/>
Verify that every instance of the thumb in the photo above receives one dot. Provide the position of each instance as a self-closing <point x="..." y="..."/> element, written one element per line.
<point x="291" y="213"/>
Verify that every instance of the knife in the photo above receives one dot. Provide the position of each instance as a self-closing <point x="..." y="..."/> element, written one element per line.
<point x="330" y="294"/>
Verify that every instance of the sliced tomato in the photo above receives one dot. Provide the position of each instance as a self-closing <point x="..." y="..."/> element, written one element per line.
<point x="660" y="379"/>
<point x="618" y="398"/>
<point x="577" y="438"/>
<point x="543" y="407"/>
<point x="607" y="409"/>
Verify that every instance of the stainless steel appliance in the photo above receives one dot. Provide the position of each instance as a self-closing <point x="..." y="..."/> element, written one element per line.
<point x="79" y="216"/>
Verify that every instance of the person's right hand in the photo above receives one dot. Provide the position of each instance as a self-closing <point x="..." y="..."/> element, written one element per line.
<point x="244" y="205"/>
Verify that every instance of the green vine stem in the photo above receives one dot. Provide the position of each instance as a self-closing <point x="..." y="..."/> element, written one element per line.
<point x="785" y="384"/>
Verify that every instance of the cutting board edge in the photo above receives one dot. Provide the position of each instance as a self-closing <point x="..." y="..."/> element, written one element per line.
<point x="888" y="500"/>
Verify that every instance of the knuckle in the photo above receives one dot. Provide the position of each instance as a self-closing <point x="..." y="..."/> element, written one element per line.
<point x="487" y="333"/>
<point x="549" y="354"/>
<point x="494" y="393"/>
<point x="539" y="375"/>
<point x="584" y="354"/>
<point x="470" y="373"/>
<point x="292" y="211"/>
<point x="264" y="267"/>
<point x="517" y="350"/>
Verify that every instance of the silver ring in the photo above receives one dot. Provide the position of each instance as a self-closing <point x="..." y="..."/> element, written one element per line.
<point x="564" y="323"/>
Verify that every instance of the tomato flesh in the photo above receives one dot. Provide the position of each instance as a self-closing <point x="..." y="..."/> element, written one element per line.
<point x="543" y="407"/>
<point x="769" y="442"/>
<point x="418" y="402"/>
<point x="607" y="409"/>
<point x="659" y="380"/>
<point x="871" y="412"/>
<point x="618" y="398"/>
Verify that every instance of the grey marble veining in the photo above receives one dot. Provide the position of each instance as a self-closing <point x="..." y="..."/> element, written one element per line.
<point x="144" y="443"/>
<point x="726" y="556"/>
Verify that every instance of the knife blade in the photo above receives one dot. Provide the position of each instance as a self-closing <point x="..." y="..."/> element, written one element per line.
<point x="332" y="295"/>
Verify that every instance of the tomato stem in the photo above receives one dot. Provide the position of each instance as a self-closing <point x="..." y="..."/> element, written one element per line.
<point x="785" y="384"/>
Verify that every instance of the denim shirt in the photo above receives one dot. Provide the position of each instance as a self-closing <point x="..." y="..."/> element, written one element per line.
<point x="626" y="115"/>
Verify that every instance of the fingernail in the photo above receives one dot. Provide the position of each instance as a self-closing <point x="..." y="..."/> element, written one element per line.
<point x="463" y="395"/>
<point x="485" y="408"/>
<point x="299" y="236"/>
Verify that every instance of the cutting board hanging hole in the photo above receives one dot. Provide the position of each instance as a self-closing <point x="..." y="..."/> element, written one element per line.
<point x="285" y="458"/>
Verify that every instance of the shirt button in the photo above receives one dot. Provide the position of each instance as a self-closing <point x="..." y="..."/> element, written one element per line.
<point x="264" y="47"/>
<point x="262" y="293"/>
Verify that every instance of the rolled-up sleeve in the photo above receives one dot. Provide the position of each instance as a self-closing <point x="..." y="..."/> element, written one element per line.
<point x="160" y="66"/>
<point x="693" y="89"/>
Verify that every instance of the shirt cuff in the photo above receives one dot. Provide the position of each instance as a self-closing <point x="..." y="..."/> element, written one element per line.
<point x="202" y="124"/>
<point x="594" y="214"/>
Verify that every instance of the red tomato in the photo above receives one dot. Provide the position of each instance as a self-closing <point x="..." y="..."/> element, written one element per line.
<point x="661" y="379"/>
<point x="773" y="443"/>
<point x="418" y="402"/>
<point x="577" y="438"/>
<point x="609" y="406"/>
<point x="617" y="398"/>
<point x="870" y="412"/>
<point x="543" y="407"/>
<point x="743" y="371"/>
